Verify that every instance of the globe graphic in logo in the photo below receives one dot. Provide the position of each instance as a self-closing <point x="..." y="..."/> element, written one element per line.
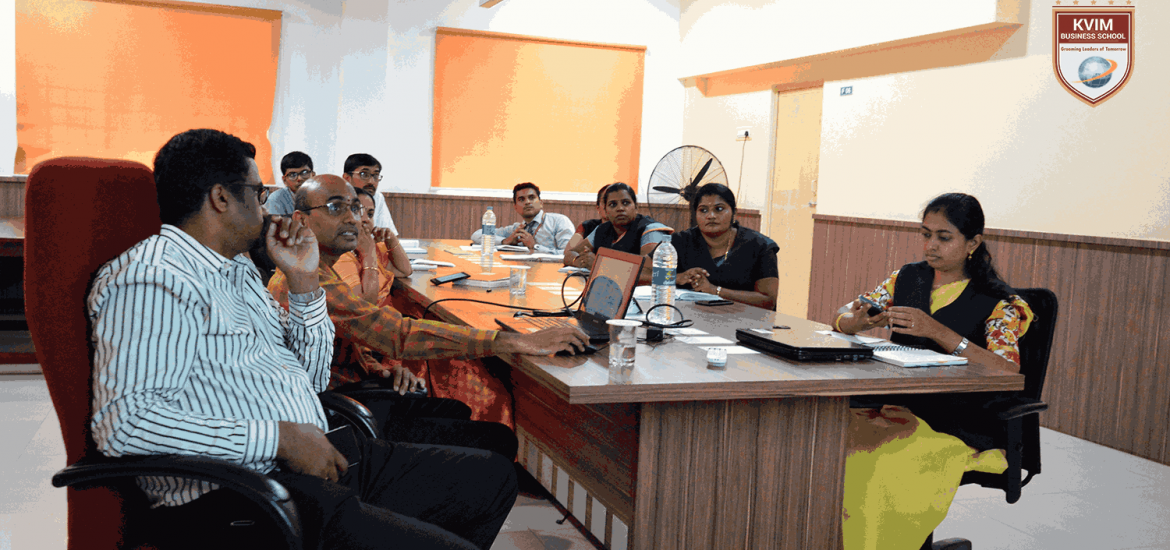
<point x="1093" y="67"/>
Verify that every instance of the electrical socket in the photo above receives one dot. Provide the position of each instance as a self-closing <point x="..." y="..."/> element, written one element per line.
<point x="743" y="134"/>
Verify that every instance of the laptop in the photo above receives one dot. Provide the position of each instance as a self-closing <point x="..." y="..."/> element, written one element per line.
<point x="607" y="295"/>
<point x="802" y="343"/>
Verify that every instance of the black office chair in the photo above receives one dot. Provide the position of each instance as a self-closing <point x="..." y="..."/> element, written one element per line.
<point x="1019" y="414"/>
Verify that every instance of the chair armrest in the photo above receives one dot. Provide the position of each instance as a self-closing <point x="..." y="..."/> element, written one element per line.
<point x="271" y="496"/>
<point x="1017" y="408"/>
<point x="352" y="411"/>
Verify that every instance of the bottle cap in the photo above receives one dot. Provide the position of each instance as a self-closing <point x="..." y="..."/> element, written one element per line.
<point x="489" y="208"/>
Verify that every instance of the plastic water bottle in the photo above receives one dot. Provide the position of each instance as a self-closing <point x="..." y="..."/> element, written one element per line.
<point x="487" y="244"/>
<point x="662" y="278"/>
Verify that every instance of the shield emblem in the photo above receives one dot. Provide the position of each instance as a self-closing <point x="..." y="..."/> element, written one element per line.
<point x="1092" y="51"/>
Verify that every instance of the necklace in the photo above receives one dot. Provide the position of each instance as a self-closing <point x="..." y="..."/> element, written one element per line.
<point x="730" y="241"/>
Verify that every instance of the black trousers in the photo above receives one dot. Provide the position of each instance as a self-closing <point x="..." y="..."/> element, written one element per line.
<point x="398" y="496"/>
<point x="432" y="421"/>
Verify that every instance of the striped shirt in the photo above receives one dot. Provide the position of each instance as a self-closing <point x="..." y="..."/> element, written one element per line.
<point x="192" y="356"/>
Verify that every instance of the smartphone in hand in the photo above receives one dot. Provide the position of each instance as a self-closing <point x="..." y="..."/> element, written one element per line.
<point x="874" y="308"/>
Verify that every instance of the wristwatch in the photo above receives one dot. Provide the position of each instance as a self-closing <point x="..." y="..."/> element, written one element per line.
<point x="962" y="346"/>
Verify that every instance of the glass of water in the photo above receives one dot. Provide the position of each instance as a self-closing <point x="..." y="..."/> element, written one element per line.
<point x="623" y="344"/>
<point x="517" y="279"/>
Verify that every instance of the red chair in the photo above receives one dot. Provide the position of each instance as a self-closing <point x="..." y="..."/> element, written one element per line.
<point x="81" y="213"/>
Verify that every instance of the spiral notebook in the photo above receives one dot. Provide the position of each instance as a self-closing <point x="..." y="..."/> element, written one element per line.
<point x="902" y="356"/>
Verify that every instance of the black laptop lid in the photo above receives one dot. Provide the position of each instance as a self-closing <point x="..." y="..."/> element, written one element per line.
<point x="802" y="344"/>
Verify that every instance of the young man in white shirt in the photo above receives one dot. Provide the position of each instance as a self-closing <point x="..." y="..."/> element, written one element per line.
<point x="363" y="171"/>
<point x="540" y="231"/>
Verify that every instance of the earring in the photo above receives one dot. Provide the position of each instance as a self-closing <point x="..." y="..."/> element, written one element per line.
<point x="969" y="254"/>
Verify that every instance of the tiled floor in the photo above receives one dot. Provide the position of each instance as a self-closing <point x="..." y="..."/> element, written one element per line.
<point x="1089" y="496"/>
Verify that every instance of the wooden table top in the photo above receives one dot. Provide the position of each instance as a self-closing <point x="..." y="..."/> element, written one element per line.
<point x="675" y="371"/>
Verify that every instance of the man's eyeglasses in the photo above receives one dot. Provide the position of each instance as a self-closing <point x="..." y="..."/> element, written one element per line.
<point x="303" y="174"/>
<point x="261" y="191"/>
<point x="366" y="176"/>
<point x="337" y="208"/>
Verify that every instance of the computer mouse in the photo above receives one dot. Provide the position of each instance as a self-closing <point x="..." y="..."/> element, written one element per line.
<point x="589" y="350"/>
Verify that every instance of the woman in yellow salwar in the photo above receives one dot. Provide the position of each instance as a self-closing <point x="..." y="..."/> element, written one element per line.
<point x="908" y="452"/>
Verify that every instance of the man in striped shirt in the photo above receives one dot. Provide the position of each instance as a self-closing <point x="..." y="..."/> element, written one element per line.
<point x="194" y="357"/>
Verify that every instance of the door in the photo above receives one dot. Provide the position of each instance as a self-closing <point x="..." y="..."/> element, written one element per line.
<point x="792" y="196"/>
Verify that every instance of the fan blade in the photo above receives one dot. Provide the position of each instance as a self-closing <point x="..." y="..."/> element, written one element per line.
<point x="665" y="189"/>
<point x="702" y="172"/>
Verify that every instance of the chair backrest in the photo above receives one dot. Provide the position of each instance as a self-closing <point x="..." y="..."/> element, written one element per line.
<point x="1036" y="344"/>
<point x="79" y="214"/>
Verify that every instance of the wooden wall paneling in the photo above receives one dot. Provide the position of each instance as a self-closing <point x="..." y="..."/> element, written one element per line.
<point x="435" y="216"/>
<point x="816" y="289"/>
<point x="737" y="473"/>
<point x="1054" y="266"/>
<point x="1162" y="363"/>
<point x="673" y="458"/>
<point x="705" y="472"/>
<point x="11" y="197"/>
<point x="642" y="531"/>
<point x="781" y="516"/>
<point x="1142" y="400"/>
<point x="1100" y="345"/>
<point x="566" y="430"/>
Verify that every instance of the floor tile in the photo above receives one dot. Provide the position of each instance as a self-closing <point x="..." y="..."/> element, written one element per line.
<point x="517" y="540"/>
<point x="26" y="484"/>
<point x="564" y="540"/>
<point x="47" y="440"/>
<point x="983" y="532"/>
<point x="23" y="387"/>
<point x="540" y="515"/>
<point x="1075" y="521"/>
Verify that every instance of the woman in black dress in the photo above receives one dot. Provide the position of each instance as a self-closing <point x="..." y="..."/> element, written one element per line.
<point x="722" y="258"/>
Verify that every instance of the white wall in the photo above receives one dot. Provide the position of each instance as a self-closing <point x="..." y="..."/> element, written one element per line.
<point x="358" y="76"/>
<point x="719" y="35"/>
<point x="726" y="34"/>
<point x="7" y="86"/>
<point x="1007" y="132"/>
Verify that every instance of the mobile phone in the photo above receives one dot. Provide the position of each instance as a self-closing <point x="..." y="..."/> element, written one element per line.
<point x="874" y="308"/>
<point x="449" y="278"/>
<point x="346" y="443"/>
<point x="714" y="302"/>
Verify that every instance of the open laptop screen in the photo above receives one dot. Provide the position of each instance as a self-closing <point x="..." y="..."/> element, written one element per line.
<point x="611" y="283"/>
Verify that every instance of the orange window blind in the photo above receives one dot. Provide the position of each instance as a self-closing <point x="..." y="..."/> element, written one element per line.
<point x="118" y="79"/>
<point x="509" y="109"/>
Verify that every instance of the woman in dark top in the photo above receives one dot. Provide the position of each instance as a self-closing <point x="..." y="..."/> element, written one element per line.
<point x="954" y="302"/>
<point x="910" y="458"/>
<point x="626" y="230"/>
<point x="719" y="257"/>
<point x="586" y="227"/>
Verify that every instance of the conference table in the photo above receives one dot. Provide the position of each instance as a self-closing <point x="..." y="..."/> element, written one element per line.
<point x="687" y="455"/>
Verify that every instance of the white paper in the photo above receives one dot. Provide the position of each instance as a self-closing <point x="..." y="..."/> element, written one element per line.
<point x="688" y="331"/>
<point x="733" y="350"/>
<point x="420" y="261"/>
<point x="707" y="340"/>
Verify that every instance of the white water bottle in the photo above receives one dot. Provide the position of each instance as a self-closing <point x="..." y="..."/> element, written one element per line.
<point x="487" y="244"/>
<point x="662" y="278"/>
